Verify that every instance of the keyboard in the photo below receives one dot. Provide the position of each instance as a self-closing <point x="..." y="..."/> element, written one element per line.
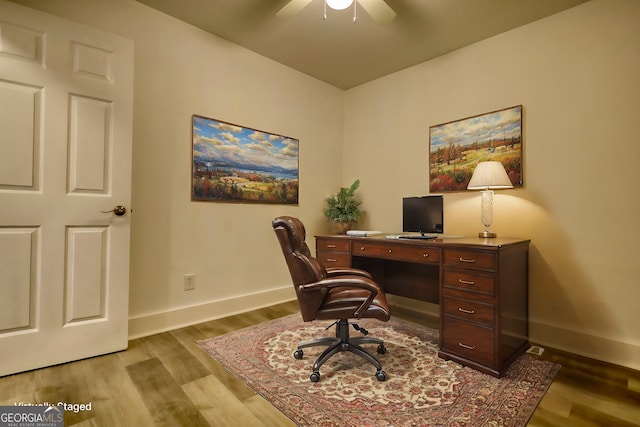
<point x="416" y="237"/>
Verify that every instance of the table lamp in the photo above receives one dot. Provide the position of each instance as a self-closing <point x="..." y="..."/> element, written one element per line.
<point x="487" y="177"/>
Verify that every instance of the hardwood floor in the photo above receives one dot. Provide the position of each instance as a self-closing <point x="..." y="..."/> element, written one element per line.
<point x="167" y="380"/>
<point x="589" y="393"/>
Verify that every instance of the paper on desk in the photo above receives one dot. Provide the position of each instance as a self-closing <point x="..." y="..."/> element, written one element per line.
<point x="362" y="233"/>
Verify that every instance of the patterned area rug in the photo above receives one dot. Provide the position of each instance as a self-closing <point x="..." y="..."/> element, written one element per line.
<point x="421" y="389"/>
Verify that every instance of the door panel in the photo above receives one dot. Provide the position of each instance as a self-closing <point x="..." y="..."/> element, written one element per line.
<point x="19" y="247"/>
<point x="85" y="274"/>
<point x="89" y="144"/>
<point x="66" y="97"/>
<point x="20" y="128"/>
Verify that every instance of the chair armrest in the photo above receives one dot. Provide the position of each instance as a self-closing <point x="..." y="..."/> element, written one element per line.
<point x="351" y="281"/>
<point x="342" y="271"/>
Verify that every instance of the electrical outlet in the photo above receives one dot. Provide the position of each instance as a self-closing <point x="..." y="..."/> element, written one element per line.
<point x="189" y="282"/>
<point x="535" y="350"/>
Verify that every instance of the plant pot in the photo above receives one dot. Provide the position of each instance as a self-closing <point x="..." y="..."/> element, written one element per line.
<point x="342" y="227"/>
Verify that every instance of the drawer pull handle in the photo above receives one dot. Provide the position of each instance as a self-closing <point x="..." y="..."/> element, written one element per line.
<point x="468" y="347"/>
<point x="466" y="282"/>
<point x="462" y="310"/>
<point x="362" y="248"/>
<point x="331" y="260"/>
<point x="425" y="255"/>
<point x="390" y="251"/>
<point x="331" y="246"/>
<point x="469" y="260"/>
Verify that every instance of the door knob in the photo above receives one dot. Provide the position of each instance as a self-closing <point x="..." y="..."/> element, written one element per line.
<point x="118" y="210"/>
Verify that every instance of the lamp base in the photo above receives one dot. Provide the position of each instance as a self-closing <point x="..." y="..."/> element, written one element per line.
<point x="487" y="234"/>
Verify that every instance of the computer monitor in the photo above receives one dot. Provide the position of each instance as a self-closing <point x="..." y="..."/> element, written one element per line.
<point x="423" y="214"/>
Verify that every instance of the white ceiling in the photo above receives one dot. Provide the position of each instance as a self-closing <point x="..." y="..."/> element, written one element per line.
<point x="346" y="54"/>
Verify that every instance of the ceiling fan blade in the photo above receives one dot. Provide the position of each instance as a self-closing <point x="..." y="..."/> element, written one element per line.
<point x="378" y="9"/>
<point x="292" y="8"/>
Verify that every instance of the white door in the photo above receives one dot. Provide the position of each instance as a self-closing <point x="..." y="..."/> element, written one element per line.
<point x="66" y="96"/>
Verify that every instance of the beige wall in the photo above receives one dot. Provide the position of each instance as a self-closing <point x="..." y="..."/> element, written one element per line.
<point x="180" y="71"/>
<point x="576" y="75"/>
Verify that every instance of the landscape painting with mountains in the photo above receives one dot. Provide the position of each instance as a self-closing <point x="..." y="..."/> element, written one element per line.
<point x="238" y="164"/>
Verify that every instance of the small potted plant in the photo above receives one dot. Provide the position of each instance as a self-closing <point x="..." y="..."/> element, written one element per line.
<point x="342" y="207"/>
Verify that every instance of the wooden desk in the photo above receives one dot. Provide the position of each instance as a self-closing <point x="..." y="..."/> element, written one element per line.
<point x="481" y="286"/>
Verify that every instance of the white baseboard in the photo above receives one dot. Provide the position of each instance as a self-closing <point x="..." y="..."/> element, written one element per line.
<point x="154" y="323"/>
<point x="594" y="347"/>
<point x="583" y="344"/>
<point x="575" y="342"/>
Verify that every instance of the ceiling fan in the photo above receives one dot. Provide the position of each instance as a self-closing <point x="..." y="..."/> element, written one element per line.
<point x="378" y="9"/>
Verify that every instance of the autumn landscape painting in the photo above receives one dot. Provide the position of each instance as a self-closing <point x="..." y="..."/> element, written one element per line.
<point x="238" y="164"/>
<point x="456" y="147"/>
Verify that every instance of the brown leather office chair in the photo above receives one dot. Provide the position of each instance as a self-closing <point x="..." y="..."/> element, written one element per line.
<point x="331" y="294"/>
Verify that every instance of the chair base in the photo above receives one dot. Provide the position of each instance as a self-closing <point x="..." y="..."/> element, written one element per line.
<point x="343" y="342"/>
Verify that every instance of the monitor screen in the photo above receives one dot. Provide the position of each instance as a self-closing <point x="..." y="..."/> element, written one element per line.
<point x="423" y="214"/>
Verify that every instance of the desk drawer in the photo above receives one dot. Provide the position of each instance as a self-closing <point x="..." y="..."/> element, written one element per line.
<point x="338" y="245"/>
<point x="468" y="340"/>
<point x="333" y="259"/>
<point x="468" y="281"/>
<point x="468" y="310"/>
<point x="470" y="259"/>
<point x="396" y="252"/>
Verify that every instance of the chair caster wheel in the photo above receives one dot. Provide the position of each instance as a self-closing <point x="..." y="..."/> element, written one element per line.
<point x="315" y="377"/>
<point x="381" y="376"/>
<point x="382" y="349"/>
<point x="298" y="354"/>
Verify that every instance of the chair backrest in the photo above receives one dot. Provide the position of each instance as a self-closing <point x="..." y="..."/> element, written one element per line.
<point x="304" y="268"/>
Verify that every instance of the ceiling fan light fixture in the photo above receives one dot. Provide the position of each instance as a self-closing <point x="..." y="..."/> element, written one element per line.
<point x="339" y="4"/>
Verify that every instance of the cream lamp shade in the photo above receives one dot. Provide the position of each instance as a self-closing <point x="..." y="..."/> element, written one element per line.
<point x="488" y="176"/>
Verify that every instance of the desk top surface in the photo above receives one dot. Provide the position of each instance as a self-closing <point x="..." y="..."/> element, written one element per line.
<point x="444" y="241"/>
